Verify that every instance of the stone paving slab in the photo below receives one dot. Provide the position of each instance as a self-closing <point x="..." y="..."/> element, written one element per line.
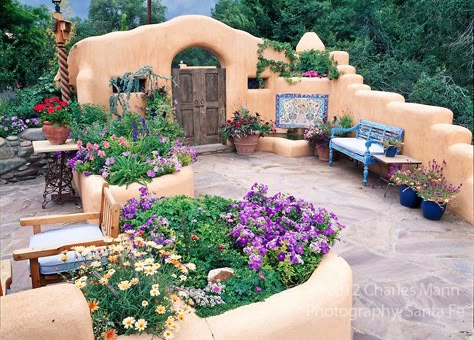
<point x="412" y="278"/>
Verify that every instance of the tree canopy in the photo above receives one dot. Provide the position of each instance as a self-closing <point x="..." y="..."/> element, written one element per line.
<point x="422" y="49"/>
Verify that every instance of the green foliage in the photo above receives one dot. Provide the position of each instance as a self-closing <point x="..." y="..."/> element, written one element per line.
<point x="26" y="44"/>
<point x="114" y="15"/>
<point x="127" y="170"/>
<point x="196" y="56"/>
<point x="441" y="90"/>
<point x="89" y="122"/>
<point x="130" y="82"/>
<point x="318" y="61"/>
<point x="284" y="69"/>
<point x="158" y="103"/>
<point x="395" y="45"/>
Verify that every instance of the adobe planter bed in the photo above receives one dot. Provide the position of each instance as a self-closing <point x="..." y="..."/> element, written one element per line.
<point x="90" y="188"/>
<point x="319" y="308"/>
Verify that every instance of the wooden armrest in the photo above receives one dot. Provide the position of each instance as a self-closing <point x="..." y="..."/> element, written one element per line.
<point x="5" y="276"/>
<point x="40" y="220"/>
<point x="29" y="253"/>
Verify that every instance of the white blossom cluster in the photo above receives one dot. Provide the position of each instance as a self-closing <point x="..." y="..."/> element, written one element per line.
<point x="210" y="296"/>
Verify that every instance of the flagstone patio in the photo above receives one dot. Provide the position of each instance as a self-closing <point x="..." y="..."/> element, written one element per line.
<point x="412" y="278"/>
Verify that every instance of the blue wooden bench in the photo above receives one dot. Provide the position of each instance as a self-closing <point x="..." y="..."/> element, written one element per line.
<point x="367" y="142"/>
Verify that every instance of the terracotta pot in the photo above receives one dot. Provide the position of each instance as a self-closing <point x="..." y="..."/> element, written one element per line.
<point x="323" y="152"/>
<point x="55" y="134"/>
<point x="246" y="145"/>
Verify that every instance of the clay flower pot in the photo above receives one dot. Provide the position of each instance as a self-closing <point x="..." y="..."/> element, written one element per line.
<point x="323" y="152"/>
<point x="246" y="145"/>
<point x="55" y="134"/>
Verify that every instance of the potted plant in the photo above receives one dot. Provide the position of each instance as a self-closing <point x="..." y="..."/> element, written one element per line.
<point x="318" y="136"/>
<point x="244" y="130"/>
<point x="391" y="147"/>
<point x="408" y="180"/>
<point x="435" y="190"/>
<point x="56" y="119"/>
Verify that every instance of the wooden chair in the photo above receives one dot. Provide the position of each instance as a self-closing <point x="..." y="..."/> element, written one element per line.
<point x="45" y="247"/>
<point x="5" y="276"/>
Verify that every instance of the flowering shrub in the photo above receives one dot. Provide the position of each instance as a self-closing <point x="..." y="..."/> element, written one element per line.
<point x="123" y="161"/>
<point x="54" y="111"/>
<point x="271" y="242"/>
<point x="313" y="74"/>
<point x="319" y="133"/>
<point x="130" y="287"/>
<point x="282" y="231"/>
<point x="432" y="185"/>
<point x="11" y="126"/>
<point x="245" y="124"/>
<point x="428" y="181"/>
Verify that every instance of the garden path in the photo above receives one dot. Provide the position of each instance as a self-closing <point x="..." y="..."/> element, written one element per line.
<point x="412" y="278"/>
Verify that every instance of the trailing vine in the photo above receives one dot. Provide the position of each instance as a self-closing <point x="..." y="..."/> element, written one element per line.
<point x="283" y="68"/>
<point x="129" y="82"/>
<point x="294" y="68"/>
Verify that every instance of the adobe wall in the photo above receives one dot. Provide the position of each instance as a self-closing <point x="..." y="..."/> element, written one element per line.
<point x="429" y="132"/>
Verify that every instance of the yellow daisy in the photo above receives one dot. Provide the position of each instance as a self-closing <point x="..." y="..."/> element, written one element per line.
<point x="160" y="309"/>
<point x="124" y="285"/>
<point x="168" y="334"/>
<point x="140" y="325"/>
<point x="180" y="317"/>
<point x="154" y="292"/>
<point x="128" y="322"/>
<point x="144" y="303"/>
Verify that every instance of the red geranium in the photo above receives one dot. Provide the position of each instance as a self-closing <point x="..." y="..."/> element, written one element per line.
<point x="54" y="111"/>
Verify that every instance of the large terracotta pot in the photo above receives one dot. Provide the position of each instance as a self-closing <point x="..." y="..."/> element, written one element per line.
<point x="323" y="152"/>
<point x="55" y="134"/>
<point x="246" y="145"/>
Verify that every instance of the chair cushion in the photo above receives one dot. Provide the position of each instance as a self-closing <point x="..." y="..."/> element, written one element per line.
<point x="357" y="145"/>
<point x="61" y="236"/>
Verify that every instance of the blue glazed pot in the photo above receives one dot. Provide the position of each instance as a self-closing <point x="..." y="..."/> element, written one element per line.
<point x="432" y="210"/>
<point x="391" y="151"/>
<point x="408" y="197"/>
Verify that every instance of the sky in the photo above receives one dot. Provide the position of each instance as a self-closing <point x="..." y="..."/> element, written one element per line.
<point x="80" y="8"/>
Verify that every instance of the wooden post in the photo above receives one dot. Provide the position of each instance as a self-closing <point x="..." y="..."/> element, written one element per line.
<point x="148" y="12"/>
<point x="35" y="273"/>
<point x="62" y="29"/>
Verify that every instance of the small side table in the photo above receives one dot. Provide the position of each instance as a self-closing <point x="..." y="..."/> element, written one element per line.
<point x="400" y="160"/>
<point x="58" y="176"/>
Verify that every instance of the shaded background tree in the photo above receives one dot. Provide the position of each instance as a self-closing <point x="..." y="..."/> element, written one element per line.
<point x="26" y="44"/>
<point x="420" y="49"/>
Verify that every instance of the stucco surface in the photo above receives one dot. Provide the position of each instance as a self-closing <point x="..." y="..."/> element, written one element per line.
<point x="94" y="60"/>
<point x="52" y="312"/>
<point x="179" y="183"/>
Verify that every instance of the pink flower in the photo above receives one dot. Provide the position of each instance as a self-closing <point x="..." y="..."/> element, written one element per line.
<point x="101" y="153"/>
<point x="113" y="137"/>
<point x="89" y="146"/>
<point x="258" y="289"/>
<point x="106" y="144"/>
<point x="127" y="144"/>
<point x="96" y="147"/>
<point x="122" y="139"/>
<point x="79" y="144"/>
<point x="261" y="276"/>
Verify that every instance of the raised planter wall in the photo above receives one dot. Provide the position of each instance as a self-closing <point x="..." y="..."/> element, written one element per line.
<point x="318" y="309"/>
<point x="90" y="188"/>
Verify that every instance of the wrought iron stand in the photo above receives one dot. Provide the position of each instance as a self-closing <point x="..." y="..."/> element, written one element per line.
<point x="58" y="177"/>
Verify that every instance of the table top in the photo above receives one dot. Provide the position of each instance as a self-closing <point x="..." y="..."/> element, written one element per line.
<point x="45" y="146"/>
<point x="398" y="159"/>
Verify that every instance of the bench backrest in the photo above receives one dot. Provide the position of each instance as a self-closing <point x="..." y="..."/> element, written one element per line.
<point x="379" y="132"/>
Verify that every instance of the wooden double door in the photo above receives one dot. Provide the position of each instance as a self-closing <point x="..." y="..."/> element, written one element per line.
<point x="199" y="96"/>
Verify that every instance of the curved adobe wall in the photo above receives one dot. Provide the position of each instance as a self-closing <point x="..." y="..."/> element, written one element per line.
<point x="93" y="61"/>
<point x="429" y="132"/>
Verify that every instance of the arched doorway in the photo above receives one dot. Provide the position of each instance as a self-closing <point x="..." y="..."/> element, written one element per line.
<point x="199" y="94"/>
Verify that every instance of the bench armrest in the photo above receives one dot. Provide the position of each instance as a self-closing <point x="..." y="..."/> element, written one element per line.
<point x="51" y="219"/>
<point x="342" y="130"/>
<point x="30" y="253"/>
<point x="369" y="143"/>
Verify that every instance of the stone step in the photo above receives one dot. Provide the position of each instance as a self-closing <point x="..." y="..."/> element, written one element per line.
<point x="212" y="148"/>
